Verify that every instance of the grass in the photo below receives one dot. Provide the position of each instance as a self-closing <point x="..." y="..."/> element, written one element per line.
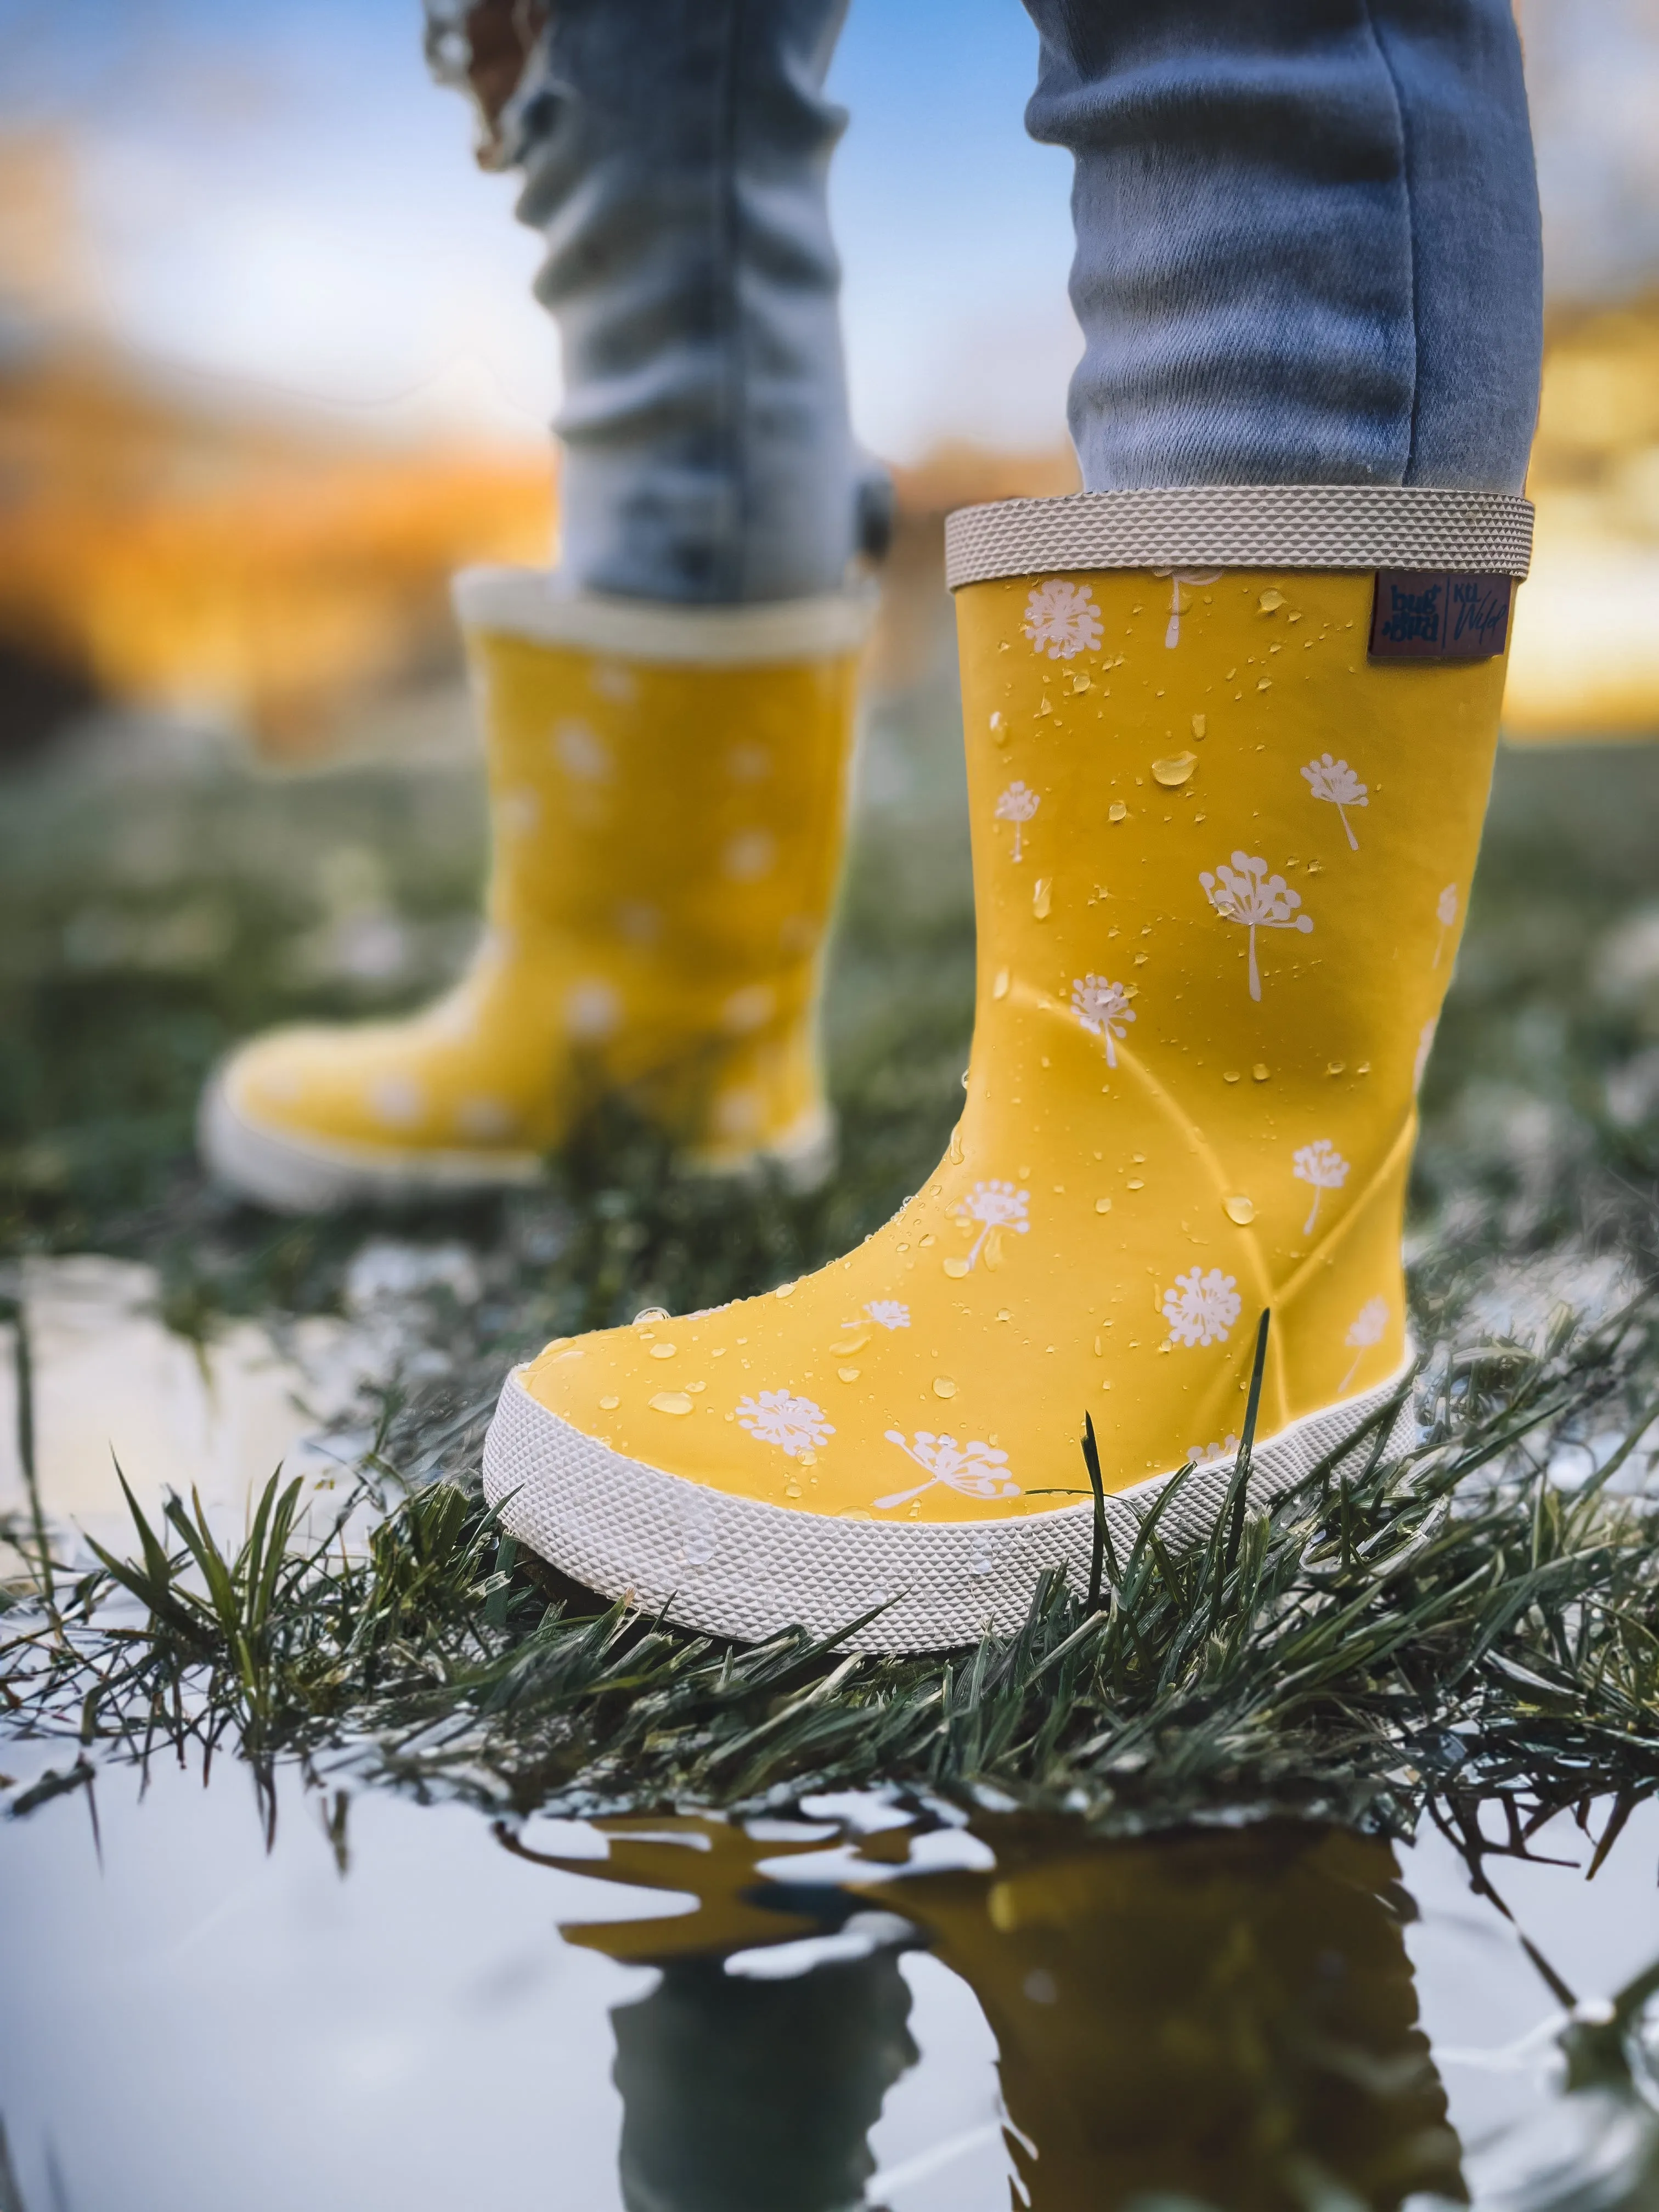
<point x="1444" y="1628"/>
<point x="1450" y="1625"/>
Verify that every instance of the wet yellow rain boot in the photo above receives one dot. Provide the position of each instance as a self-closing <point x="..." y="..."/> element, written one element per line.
<point x="1228" y="756"/>
<point x="668" y="794"/>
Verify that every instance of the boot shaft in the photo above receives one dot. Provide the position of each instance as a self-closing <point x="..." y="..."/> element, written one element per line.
<point x="668" y="794"/>
<point x="1215" y="840"/>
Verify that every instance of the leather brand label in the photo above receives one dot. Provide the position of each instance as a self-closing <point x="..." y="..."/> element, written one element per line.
<point x="1431" y="615"/>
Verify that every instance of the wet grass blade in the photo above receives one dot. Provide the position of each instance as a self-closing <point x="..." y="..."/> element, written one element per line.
<point x="1230" y="1521"/>
<point x="15" y="1311"/>
<point x="1310" y="1654"/>
<point x="1104" y="1548"/>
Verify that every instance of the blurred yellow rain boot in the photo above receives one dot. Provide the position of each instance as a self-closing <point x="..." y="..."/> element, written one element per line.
<point x="668" y="795"/>
<point x="1228" y="757"/>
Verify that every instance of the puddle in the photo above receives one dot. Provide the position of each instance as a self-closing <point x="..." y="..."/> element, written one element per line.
<point x="849" y="2008"/>
<point x="113" y="1385"/>
<point x="394" y="2003"/>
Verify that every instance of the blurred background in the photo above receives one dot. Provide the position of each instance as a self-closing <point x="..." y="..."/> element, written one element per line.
<point x="270" y="366"/>
<point x="269" y="370"/>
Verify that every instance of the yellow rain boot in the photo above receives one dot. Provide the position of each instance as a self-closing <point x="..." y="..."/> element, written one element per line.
<point x="1228" y="756"/>
<point x="1208" y="2019"/>
<point x="1200" y="2017"/>
<point x="668" y="794"/>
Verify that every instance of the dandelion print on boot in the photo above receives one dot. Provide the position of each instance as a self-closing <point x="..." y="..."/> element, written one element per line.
<point x="668" y="795"/>
<point x="1201" y="1011"/>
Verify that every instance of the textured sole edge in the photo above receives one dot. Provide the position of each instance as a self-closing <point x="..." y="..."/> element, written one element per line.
<point x="1340" y="527"/>
<point x="288" y="1176"/>
<point x="737" y="1567"/>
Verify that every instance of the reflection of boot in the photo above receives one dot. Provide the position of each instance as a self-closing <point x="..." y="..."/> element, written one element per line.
<point x="751" y="2096"/>
<point x="717" y="1862"/>
<point x="741" y="2094"/>
<point x="1224" y="2016"/>
<point x="1210" y="879"/>
<point x="1227" y="2017"/>
<point x="667" y="791"/>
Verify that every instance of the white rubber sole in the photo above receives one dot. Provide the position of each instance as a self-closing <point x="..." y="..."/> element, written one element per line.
<point x="289" y="1174"/>
<point x="736" y="1567"/>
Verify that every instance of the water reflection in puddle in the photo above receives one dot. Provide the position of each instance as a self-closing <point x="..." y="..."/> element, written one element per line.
<point x="849" y="2008"/>
<point x="113" y="1385"/>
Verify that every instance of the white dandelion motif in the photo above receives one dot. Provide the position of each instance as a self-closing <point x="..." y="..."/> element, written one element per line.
<point x="1324" y="1166"/>
<point x="1369" y="1325"/>
<point x="977" y="1470"/>
<point x="1202" y="1307"/>
<point x="1178" y="577"/>
<point x="1246" y="893"/>
<point x="1425" y="1047"/>
<point x="1335" y="781"/>
<point x="996" y="1207"/>
<point x="888" y="1313"/>
<point x="1445" y="913"/>
<point x="1017" y="804"/>
<point x="521" y="811"/>
<point x="1102" y="1008"/>
<point x="795" y="1426"/>
<point x="396" y="1099"/>
<point x="581" y="754"/>
<point x="592" y="1011"/>
<point x="1211" y="1454"/>
<point x="1061" y="619"/>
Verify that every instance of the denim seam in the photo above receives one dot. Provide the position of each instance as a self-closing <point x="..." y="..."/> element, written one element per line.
<point x="1411" y="226"/>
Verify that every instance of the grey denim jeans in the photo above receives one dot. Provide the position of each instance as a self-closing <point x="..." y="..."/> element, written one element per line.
<point x="1308" y="251"/>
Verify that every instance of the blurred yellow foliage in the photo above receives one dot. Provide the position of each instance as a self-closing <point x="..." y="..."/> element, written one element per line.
<point x="1585" y="661"/>
<point x="178" y="551"/>
<point x="174" y="544"/>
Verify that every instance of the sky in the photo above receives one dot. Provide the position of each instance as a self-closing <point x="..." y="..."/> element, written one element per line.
<point x="274" y="193"/>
